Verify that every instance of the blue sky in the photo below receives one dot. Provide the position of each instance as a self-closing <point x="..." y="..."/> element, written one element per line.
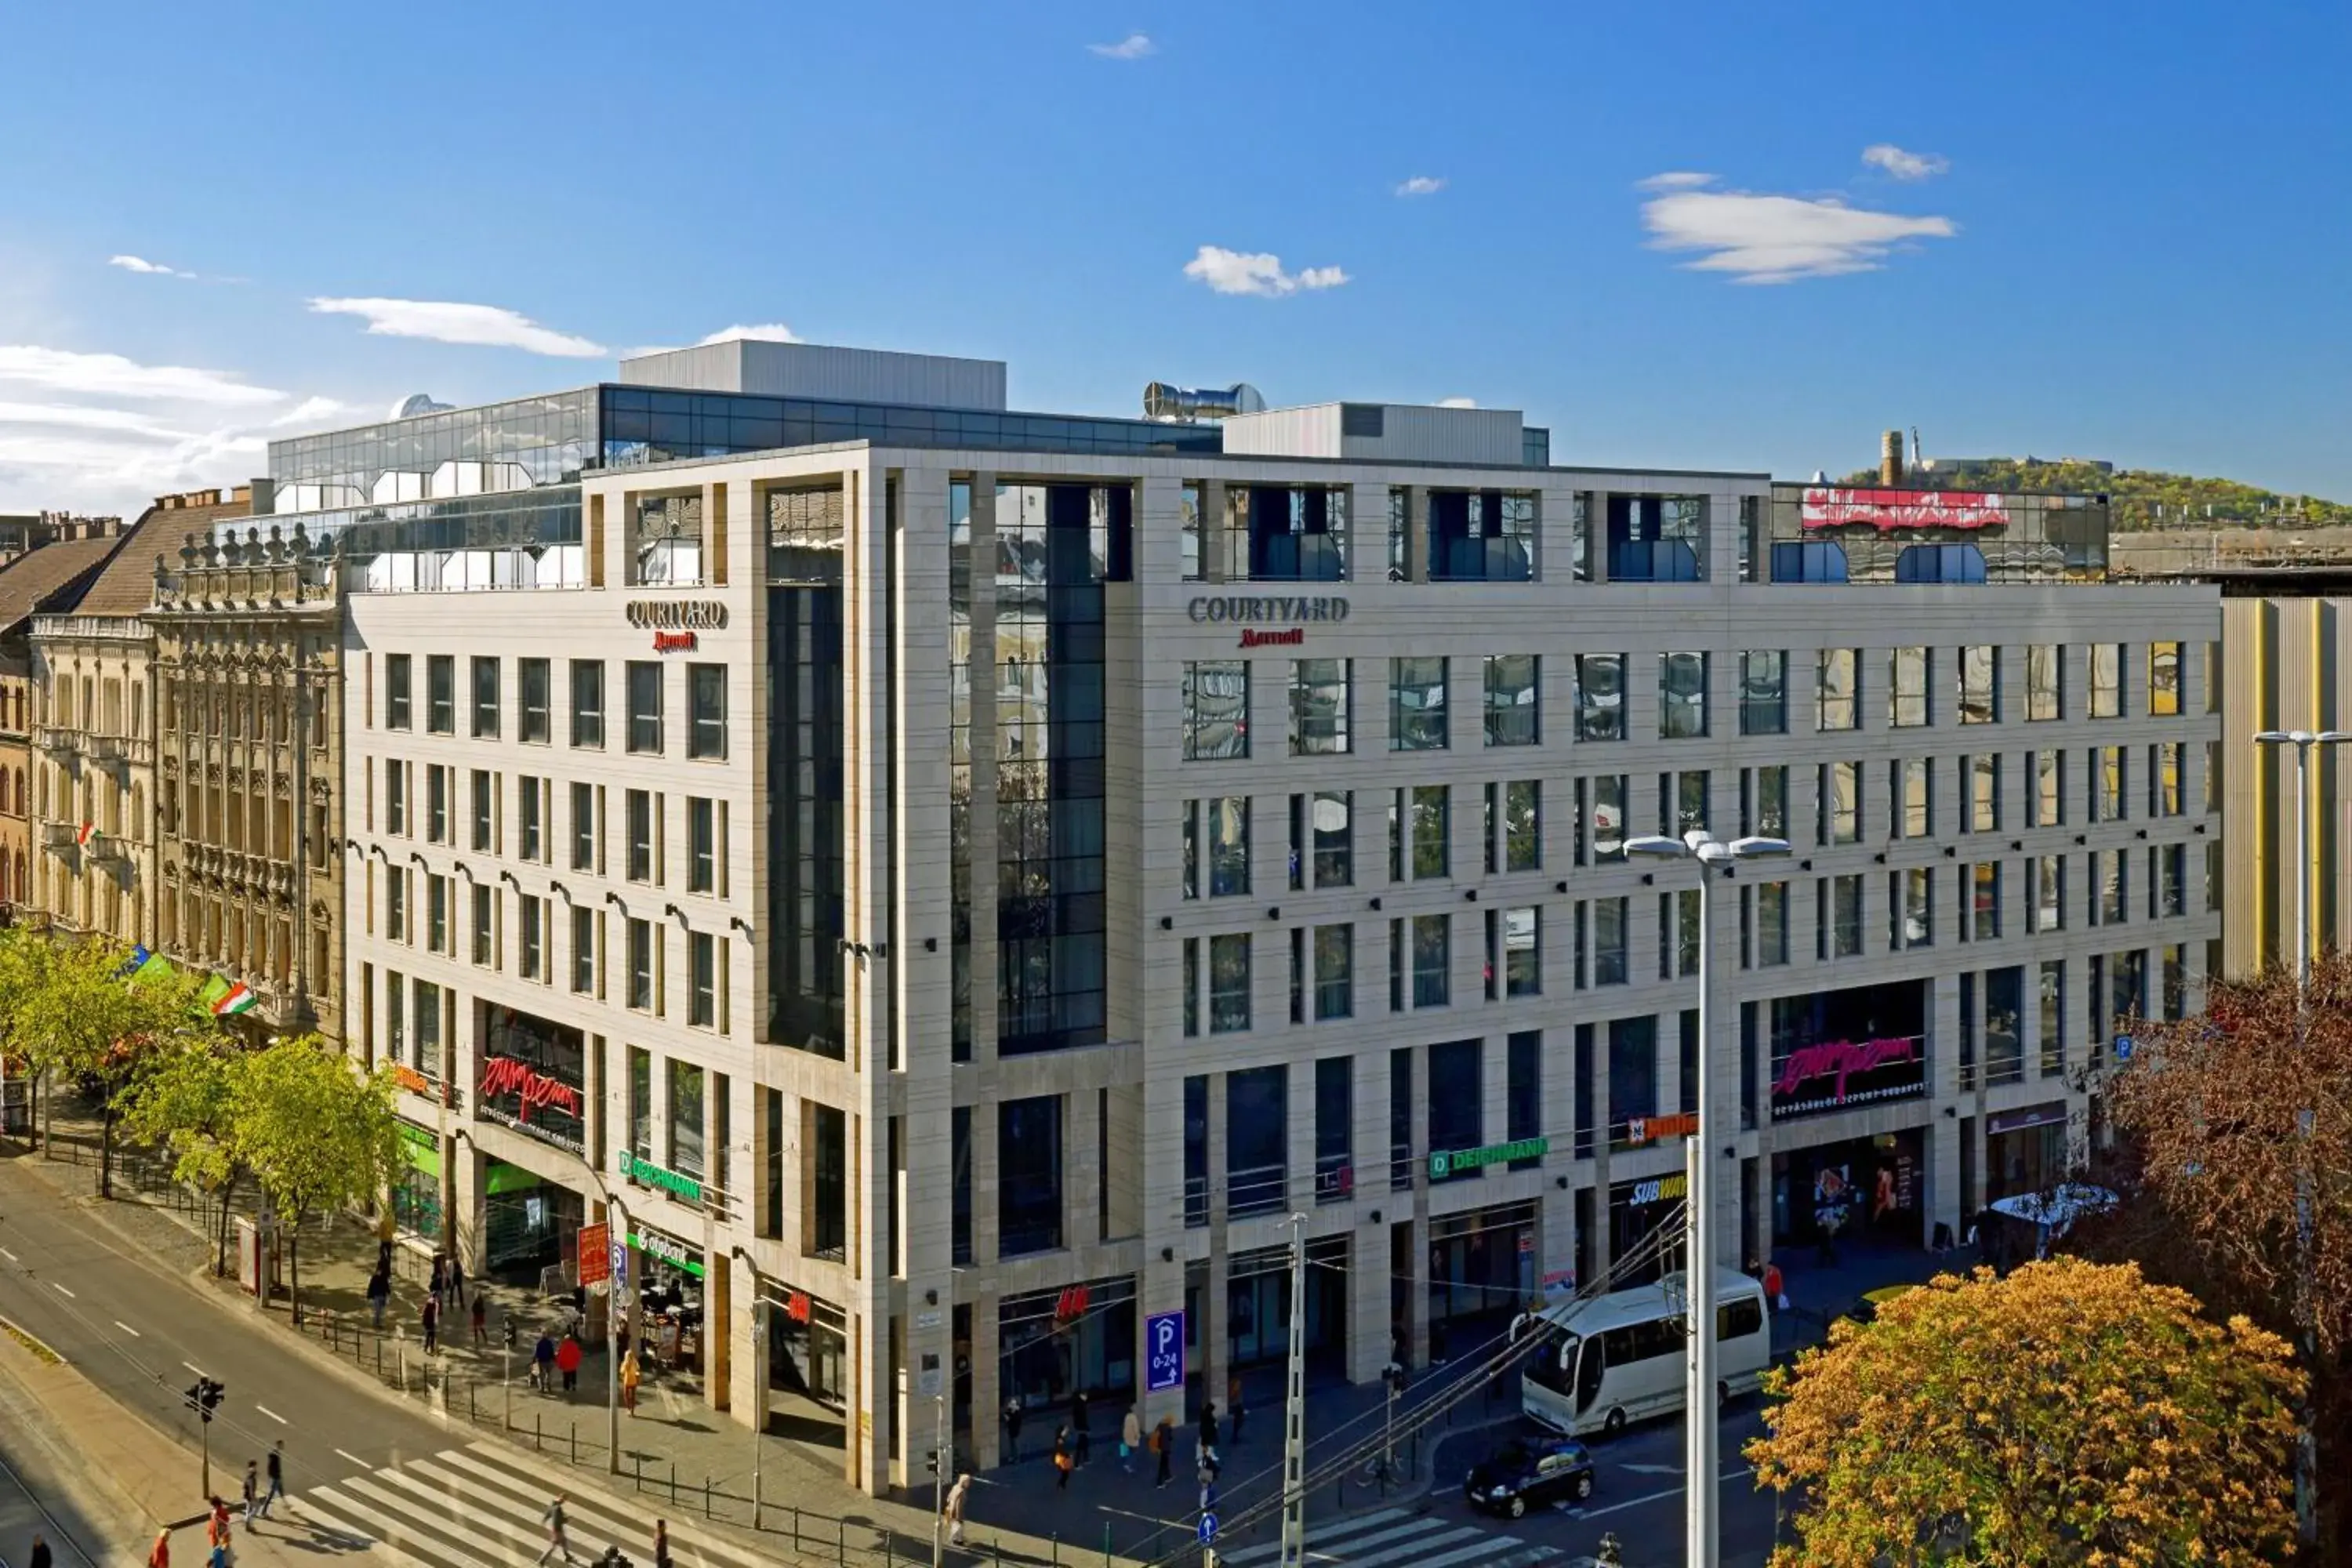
<point x="2089" y="229"/>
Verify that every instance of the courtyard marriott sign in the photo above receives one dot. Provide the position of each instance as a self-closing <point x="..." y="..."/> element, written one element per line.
<point x="1268" y="611"/>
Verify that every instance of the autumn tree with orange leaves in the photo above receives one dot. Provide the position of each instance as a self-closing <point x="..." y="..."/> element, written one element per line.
<point x="2070" y="1413"/>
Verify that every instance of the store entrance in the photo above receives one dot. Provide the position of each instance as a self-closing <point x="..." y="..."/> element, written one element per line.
<point x="808" y="1369"/>
<point x="1861" y="1192"/>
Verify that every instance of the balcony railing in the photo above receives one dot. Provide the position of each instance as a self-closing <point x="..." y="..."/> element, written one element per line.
<point x="1259" y="1190"/>
<point x="1335" y="1178"/>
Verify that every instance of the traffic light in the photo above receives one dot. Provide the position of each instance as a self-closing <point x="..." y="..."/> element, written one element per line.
<point x="205" y="1397"/>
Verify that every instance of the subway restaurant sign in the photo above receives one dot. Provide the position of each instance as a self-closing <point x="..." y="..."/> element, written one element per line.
<point x="1452" y="1162"/>
<point x="653" y="1176"/>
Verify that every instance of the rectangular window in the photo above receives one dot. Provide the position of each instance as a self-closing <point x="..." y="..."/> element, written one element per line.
<point x="1909" y="671"/>
<point x="1191" y="982"/>
<point x="641" y="964"/>
<point x="2106" y="680"/>
<point x="2048" y="799"/>
<point x="1682" y="803"/>
<point x="1911" y="803"/>
<point x="645" y="709"/>
<point x="1840" y="803"/>
<point x="1229" y="982"/>
<point x="584" y="827"/>
<point x="1911" y="908"/>
<point x="1984" y="792"/>
<point x="2045" y="682"/>
<point x="641" y="1103"/>
<point x="2212" y="678"/>
<point x="2168" y="866"/>
<point x="1844" y="917"/>
<point x="1431" y="831"/>
<point x="583" y="951"/>
<point x="1229" y="846"/>
<point x="1523" y="825"/>
<point x="395" y="902"/>
<point x="1514" y="700"/>
<point x="701" y="845"/>
<point x="1417" y="705"/>
<point x="530" y="819"/>
<point x="484" y="836"/>
<point x="1772" y="925"/>
<point x="486" y="698"/>
<point x="395" y="796"/>
<point x="436" y="803"/>
<point x="1764" y="692"/>
<point x="436" y="913"/>
<point x="1600" y="819"/>
<point x="1522" y="940"/>
<point x="2053" y="1018"/>
<point x="1335" y="972"/>
<point x="1837" y="689"/>
<point x="1331" y="818"/>
<point x="532" y="682"/>
<point x="2108" y="801"/>
<point x="688" y="1148"/>
<point x="1029" y="1176"/>
<point x="1764" y="802"/>
<point x="2164" y="779"/>
<point x="1979" y="685"/>
<point x="1601" y="697"/>
<point x="1984" y="883"/>
<point x="1320" y="707"/>
<point x="2111" y="875"/>
<point x="706" y="701"/>
<point x="1432" y="959"/>
<point x="2163" y="679"/>
<point x="1682" y="696"/>
<point x="1678" y="933"/>
<point x="1216" y="710"/>
<point x="396" y="675"/>
<point x="484" y="919"/>
<point x="639" y="806"/>
<point x="1191" y="840"/>
<point x="1335" y="1129"/>
<point x="702" y="974"/>
<point x="441" y="694"/>
<point x="2049" y="892"/>
<point x="1610" y="928"/>
<point x="533" y="924"/>
<point x="588" y="703"/>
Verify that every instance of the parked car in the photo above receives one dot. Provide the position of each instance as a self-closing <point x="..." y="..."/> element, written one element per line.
<point x="1866" y="1309"/>
<point x="1533" y="1472"/>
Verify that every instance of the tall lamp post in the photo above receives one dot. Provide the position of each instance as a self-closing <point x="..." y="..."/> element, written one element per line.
<point x="1700" y="1541"/>
<point x="2307" y="1454"/>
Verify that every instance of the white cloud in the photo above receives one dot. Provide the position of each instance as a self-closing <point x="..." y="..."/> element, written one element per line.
<point x="448" y="321"/>
<point x="1457" y="403"/>
<point x="1679" y="180"/>
<point x="1133" y="46"/>
<point x="141" y="264"/>
<point x="766" y="332"/>
<point x="1762" y="238"/>
<point x="1256" y="272"/>
<point x="310" y="410"/>
<point x="111" y="376"/>
<point x="1422" y="185"/>
<point x="1904" y="165"/>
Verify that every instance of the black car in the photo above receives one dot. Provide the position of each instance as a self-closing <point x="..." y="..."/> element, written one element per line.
<point x="1525" y="1473"/>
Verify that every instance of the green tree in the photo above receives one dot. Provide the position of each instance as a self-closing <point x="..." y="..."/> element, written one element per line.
<point x="186" y="1102"/>
<point x="2071" y="1413"/>
<point x="317" y="1136"/>
<point x="24" y="960"/>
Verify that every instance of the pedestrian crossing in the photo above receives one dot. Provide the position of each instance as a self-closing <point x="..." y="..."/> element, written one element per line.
<point x="1400" y="1538"/>
<point x="483" y="1506"/>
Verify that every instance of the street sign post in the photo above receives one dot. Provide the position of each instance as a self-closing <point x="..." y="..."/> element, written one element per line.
<point x="2122" y="1047"/>
<point x="1208" y="1529"/>
<point x="1164" y="1350"/>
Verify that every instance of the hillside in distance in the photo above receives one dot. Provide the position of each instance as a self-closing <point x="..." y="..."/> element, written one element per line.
<point x="2141" y="499"/>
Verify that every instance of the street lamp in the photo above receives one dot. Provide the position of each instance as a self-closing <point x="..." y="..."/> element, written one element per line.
<point x="1700" y="1547"/>
<point x="2306" y="1456"/>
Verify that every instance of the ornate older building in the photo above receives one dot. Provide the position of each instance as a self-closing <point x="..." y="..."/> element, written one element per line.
<point x="249" y="673"/>
<point x="95" y="821"/>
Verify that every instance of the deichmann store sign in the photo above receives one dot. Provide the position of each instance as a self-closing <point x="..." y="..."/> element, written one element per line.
<point x="1448" y="1162"/>
<point x="646" y="1174"/>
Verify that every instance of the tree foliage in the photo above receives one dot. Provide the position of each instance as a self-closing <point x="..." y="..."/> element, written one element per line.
<point x="2071" y="1413"/>
<point x="185" y="1103"/>
<point x="317" y="1136"/>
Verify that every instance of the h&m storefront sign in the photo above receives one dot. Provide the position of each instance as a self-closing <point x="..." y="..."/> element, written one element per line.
<point x="1284" y="617"/>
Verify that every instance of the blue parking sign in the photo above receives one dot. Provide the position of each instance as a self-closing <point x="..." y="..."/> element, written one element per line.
<point x="1164" y="1352"/>
<point x="2122" y="1047"/>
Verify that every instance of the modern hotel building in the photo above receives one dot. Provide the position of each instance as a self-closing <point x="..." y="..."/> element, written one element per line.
<point x="964" y="879"/>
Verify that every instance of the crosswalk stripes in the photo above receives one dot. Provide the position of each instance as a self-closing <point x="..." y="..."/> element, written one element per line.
<point x="1394" y="1538"/>
<point x="485" y="1507"/>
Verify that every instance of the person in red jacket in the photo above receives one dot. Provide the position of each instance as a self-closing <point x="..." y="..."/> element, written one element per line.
<point x="567" y="1362"/>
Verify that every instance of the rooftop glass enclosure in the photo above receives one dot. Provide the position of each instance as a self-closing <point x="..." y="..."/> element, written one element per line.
<point x="1823" y="533"/>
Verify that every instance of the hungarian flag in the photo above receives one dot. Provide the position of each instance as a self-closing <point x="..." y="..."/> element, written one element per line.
<point x="84" y="834"/>
<point x="226" y="998"/>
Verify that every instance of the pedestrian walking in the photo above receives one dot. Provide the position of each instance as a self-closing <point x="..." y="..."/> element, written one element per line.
<point x="458" y="1279"/>
<point x="1082" y="1435"/>
<point x="216" y="1525"/>
<point x="274" y="1473"/>
<point x="1013" y="1427"/>
<point x="159" y="1555"/>
<point x="432" y="1323"/>
<point x="556" y="1540"/>
<point x="1233" y="1406"/>
<point x="630" y="1377"/>
<point x="40" y="1556"/>
<point x="567" y="1362"/>
<point x="1209" y="1434"/>
<point x="481" y="1320"/>
<point x="954" y="1508"/>
<point x="383" y="1234"/>
<point x="1163" y="1446"/>
<point x="543" y="1363"/>
<point x="378" y="1295"/>
<point x="1062" y="1461"/>
<point x="252" y="1490"/>
<point x="440" y="1277"/>
<point x="661" y="1544"/>
<point x="218" y="1556"/>
<point x="1207" y="1477"/>
<point x="1131" y="1439"/>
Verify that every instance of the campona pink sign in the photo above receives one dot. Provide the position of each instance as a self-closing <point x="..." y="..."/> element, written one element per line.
<point x="1887" y="510"/>
<point x="1842" y="1060"/>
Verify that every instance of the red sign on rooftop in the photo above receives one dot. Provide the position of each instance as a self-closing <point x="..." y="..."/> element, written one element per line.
<point x="1888" y="510"/>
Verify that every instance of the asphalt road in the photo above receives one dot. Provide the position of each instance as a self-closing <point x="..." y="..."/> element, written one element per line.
<point x="142" y="1335"/>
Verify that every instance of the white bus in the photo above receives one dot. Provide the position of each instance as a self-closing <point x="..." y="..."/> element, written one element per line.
<point x="1624" y="1356"/>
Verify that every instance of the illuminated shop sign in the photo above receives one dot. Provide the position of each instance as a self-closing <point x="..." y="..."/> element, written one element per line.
<point x="1839" y="1073"/>
<point x="1888" y="510"/>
